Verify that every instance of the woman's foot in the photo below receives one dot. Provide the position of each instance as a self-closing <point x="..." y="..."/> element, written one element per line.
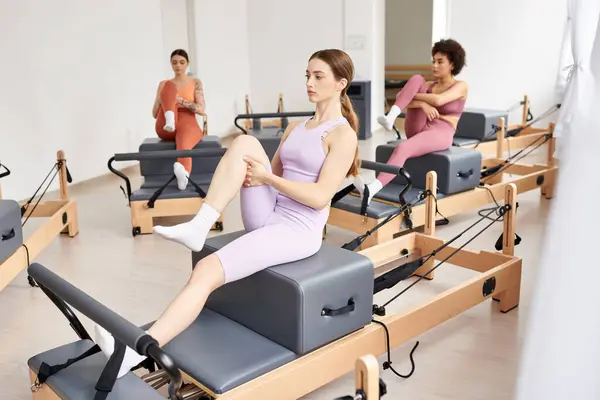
<point x="191" y="234"/>
<point x="169" y="121"/>
<point x="387" y="121"/>
<point x="369" y="190"/>
<point x="181" y="174"/>
<point x="106" y="342"/>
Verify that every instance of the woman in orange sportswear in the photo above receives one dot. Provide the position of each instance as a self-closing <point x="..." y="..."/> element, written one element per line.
<point x="177" y="102"/>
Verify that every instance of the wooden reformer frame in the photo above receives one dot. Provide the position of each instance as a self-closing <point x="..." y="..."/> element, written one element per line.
<point x="530" y="177"/>
<point x="521" y="140"/>
<point x="499" y="279"/>
<point x="62" y="218"/>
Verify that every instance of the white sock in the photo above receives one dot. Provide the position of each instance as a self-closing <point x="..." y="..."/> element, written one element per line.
<point x="191" y="234"/>
<point x="181" y="174"/>
<point x="106" y="342"/>
<point x="169" y="121"/>
<point x="387" y="121"/>
<point x="359" y="184"/>
<point x="374" y="187"/>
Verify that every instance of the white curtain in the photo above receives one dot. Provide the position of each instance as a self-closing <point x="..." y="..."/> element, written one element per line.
<point x="561" y="350"/>
<point x="574" y="68"/>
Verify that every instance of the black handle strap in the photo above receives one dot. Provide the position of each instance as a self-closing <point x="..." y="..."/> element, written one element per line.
<point x="465" y="175"/>
<point x="328" y="312"/>
<point x="9" y="235"/>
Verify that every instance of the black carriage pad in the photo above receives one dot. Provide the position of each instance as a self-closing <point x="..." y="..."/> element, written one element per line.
<point x="164" y="166"/>
<point x="458" y="169"/>
<point x="222" y="354"/>
<point x="11" y="231"/>
<point x="77" y="381"/>
<point x="301" y="305"/>
<point x="480" y="124"/>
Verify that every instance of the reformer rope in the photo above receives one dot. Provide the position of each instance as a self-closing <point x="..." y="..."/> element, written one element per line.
<point x="56" y="168"/>
<point x="493" y="171"/>
<point x="380" y="310"/>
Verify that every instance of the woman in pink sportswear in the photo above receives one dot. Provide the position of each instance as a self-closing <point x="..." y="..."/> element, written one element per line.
<point x="285" y="202"/>
<point x="432" y="111"/>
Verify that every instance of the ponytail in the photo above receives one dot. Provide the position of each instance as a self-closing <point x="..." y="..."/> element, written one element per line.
<point x="349" y="113"/>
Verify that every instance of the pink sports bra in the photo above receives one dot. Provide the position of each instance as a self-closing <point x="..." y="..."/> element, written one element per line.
<point x="453" y="108"/>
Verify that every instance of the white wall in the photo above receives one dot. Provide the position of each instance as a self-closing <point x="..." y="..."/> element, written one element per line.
<point x="513" y="48"/>
<point x="408" y="31"/>
<point x="174" y="30"/>
<point x="282" y="35"/>
<point x="223" y="61"/>
<point x="77" y="77"/>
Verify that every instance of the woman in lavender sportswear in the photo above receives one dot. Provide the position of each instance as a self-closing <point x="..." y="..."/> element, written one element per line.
<point x="285" y="203"/>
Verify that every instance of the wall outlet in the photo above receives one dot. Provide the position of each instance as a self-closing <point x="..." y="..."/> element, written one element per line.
<point x="355" y="42"/>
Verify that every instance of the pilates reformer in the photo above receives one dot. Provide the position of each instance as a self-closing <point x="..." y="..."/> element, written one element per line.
<point x="478" y="129"/>
<point x="158" y="195"/>
<point x="315" y="320"/>
<point x="465" y="180"/>
<point x="17" y="253"/>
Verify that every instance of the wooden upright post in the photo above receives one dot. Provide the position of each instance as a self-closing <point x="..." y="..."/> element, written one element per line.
<point x="509" y="299"/>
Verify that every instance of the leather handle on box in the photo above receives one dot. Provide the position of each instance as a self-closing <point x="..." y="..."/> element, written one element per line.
<point x="9" y="235"/>
<point x="328" y="312"/>
<point x="464" y="175"/>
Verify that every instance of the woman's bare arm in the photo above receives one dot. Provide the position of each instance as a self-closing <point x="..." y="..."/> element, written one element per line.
<point x="198" y="106"/>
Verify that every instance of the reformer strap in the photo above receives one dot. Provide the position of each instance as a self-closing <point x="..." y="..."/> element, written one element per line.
<point x="106" y="381"/>
<point x="6" y="171"/>
<point x="159" y="191"/>
<point x="57" y="166"/>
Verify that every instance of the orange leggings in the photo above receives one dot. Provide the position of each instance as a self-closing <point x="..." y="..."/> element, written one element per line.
<point x="187" y="131"/>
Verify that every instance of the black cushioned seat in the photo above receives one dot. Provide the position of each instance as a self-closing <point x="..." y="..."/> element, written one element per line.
<point x="77" y="381"/>
<point x="157" y="144"/>
<point x="164" y="166"/>
<point x="222" y="354"/>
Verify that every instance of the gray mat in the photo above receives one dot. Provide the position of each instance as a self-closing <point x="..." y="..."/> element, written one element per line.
<point x="222" y="354"/>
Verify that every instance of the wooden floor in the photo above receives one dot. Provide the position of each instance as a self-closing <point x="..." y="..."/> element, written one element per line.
<point x="473" y="356"/>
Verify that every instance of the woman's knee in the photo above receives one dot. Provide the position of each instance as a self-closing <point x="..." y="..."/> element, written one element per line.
<point x="248" y="145"/>
<point x="417" y="78"/>
<point x="208" y="273"/>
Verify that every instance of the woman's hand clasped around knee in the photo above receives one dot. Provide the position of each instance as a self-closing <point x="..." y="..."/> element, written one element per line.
<point x="256" y="173"/>
<point x="431" y="112"/>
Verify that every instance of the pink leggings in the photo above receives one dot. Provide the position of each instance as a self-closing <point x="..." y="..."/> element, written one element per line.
<point x="423" y="136"/>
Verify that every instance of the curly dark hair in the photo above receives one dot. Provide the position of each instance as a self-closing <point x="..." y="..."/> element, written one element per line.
<point x="453" y="51"/>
